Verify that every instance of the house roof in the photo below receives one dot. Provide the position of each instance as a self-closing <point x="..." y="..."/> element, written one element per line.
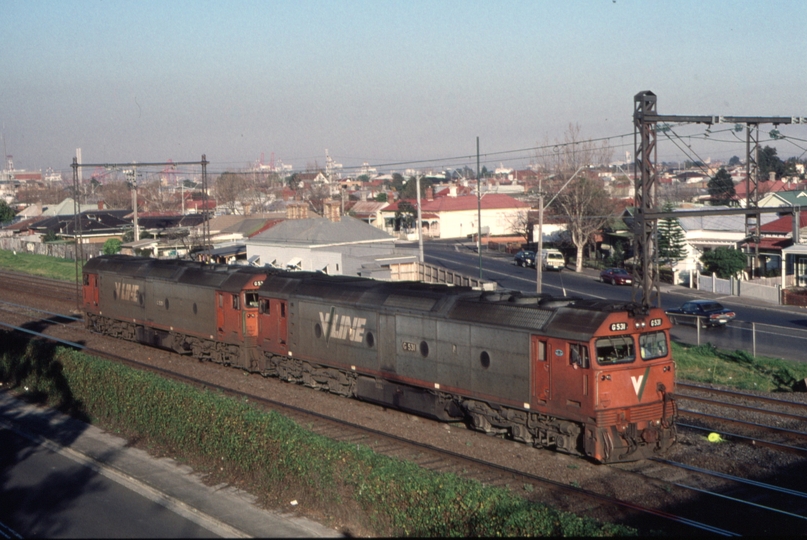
<point x="321" y="231"/>
<point x="366" y="209"/>
<point x="490" y="201"/>
<point x="66" y="208"/>
<point x="784" y="224"/>
<point x="794" y="197"/>
<point x="728" y="223"/>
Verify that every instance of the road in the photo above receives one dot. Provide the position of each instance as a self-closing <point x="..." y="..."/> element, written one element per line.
<point x="47" y="495"/>
<point x="779" y="331"/>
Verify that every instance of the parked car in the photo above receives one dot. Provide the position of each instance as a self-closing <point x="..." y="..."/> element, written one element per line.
<point x="707" y="312"/>
<point x="616" y="276"/>
<point x="524" y="258"/>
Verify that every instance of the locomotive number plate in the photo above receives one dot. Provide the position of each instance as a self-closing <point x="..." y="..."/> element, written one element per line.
<point x="619" y="327"/>
<point x="655" y="322"/>
<point x="408" y="346"/>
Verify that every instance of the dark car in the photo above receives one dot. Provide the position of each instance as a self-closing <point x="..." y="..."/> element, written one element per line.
<point x="706" y="312"/>
<point x="616" y="276"/>
<point x="524" y="258"/>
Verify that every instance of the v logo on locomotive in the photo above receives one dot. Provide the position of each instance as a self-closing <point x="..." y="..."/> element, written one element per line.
<point x="127" y="291"/>
<point x="639" y="382"/>
<point x="342" y="327"/>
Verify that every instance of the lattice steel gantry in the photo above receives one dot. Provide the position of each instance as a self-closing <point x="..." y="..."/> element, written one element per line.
<point x="647" y="213"/>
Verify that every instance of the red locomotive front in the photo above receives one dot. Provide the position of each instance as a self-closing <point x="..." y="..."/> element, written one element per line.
<point x="632" y="388"/>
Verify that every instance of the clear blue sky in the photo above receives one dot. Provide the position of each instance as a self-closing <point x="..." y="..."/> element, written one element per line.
<point x="383" y="81"/>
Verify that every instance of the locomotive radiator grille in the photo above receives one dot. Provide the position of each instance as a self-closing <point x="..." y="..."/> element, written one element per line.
<point x="634" y="414"/>
<point x="501" y="314"/>
<point x="410" y="302"/>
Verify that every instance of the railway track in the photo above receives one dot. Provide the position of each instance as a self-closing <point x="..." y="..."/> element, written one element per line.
<point x="683" y="516"/>
<point x="51" y="288"/>
<point x="755" y="419"/>
<point x="541" y="489"/>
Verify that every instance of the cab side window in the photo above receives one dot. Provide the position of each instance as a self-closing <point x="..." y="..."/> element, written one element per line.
<point x="578" y="355"/>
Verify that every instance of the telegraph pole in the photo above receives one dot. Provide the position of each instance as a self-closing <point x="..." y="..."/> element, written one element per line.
<point x="479" y="210"/>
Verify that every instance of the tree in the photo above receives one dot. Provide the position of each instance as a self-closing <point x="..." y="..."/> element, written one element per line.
<point x="112" y="246"/>
<point x="723" y="261"/>
<point x="734" y="161"/>
<point x="406" y="215"/>
<point x="721" y="189"/>
<point x="586" y="207"/>
<point x="117" y="195"/>
<point x="671" y="243"/>
<point x="155" y="198"/>
<point x="583" y="202"/>
<point x="381" y="197"/>
<point x="229" y="187"/>
<point x="410" y="190"/>
<point x="6" y="212"/>
<point x="768" y="161"/>
<point x="398" y="182"/>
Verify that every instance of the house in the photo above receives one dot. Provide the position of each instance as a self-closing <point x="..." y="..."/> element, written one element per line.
<point x="457" y="216"/>
<point x="778" y="242"/>
<point x="705" y="233"/>
<point x="334" y="244"/>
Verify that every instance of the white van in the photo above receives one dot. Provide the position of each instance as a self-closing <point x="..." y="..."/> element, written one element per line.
<point x="552" y="259"/>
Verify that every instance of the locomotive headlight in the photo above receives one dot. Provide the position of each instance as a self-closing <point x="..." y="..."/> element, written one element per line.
<point x="640" y="324"/>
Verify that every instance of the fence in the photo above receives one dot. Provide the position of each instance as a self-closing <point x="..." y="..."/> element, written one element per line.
<point x="51" y="249"/>
<point x="429" y="273"/>
<point x="736" y="287"/>
<point x="758" y="339"/>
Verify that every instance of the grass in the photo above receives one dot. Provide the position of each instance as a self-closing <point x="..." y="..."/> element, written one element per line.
<point x="737" y="369"/>
<point x="38" y="265"/>
<point x="273" y="457"/>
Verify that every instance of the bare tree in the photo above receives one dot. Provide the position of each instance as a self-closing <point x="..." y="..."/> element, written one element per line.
<point x="579" y="194"/>
<point x="317" y="196"/>
<point x="157" y="198"/>
<point x="229" y="188"/>
<point x="49" y="195"/>
<point x="257" y="192"/>
<point x="117" y="195"/>
<point x="587" y="208"/>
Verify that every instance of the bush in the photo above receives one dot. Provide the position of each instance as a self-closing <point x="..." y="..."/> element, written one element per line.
<point x="276" y="456"/>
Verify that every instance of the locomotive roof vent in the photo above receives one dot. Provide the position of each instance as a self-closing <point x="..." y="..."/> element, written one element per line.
<point x="606" y="306"/>
<point x="557" y="302"/>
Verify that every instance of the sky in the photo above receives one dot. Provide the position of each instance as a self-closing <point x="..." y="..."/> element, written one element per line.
<point x="396" y="84"/>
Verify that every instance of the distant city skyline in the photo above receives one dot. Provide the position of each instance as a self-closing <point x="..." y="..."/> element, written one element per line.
<point x="396" y="85"/>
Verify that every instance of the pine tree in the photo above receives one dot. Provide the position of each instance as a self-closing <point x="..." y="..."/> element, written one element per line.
<point x="671" y="239"/>
<point x="721" y="188"/>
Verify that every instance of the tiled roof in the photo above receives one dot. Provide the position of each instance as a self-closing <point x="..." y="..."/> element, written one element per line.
<point x="321" y="231"/>
<point x="489" y="201"/>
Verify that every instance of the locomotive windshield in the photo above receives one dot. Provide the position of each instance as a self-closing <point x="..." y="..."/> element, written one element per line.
<point x="653" y="345"/>
<point x="615" y="350"/>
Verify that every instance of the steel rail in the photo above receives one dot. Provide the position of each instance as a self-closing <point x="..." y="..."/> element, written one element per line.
<point x="454" y="455"/>
<point x="753" y="441"/>
<point x="738" y="406"/>
<point x="733" y="478"/>
<point x="743" y="395"/>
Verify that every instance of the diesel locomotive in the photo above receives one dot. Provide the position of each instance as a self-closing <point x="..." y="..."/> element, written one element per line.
<point x="584" y="377"/>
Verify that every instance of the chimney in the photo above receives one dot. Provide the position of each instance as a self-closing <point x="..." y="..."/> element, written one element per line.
<point x="297" y="211"/>
<point x="100" y="205"/>
<point x="772" y="176"/>
<point x="331" y="210"/>
<point x="452" y="191"/>
<point x="429" y="193"/>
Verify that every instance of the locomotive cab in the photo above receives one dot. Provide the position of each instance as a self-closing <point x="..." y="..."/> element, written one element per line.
<point x="632" y="385"/>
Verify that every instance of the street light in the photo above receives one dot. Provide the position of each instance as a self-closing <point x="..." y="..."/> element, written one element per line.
<point x="539" y="255"/>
